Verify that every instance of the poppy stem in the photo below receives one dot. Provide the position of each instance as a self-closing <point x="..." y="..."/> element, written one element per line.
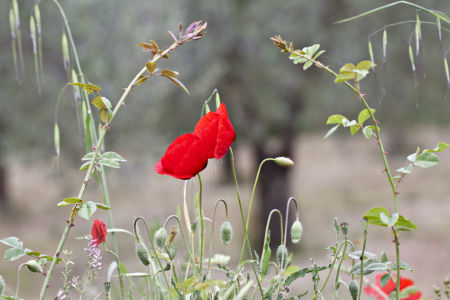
<point x="362" y="258"/>
<point x="339" y="267"/>
<point x="212" y="233"/>
<point x="202" y="229"/>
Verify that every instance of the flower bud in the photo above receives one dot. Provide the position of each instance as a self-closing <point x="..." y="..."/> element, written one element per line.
<point x="437" y="290"/>
<point x="226" y="232"/>
<point x="280" y="256"/>
<point x="107" y="286"/>
<point x="33" y="266"/>
<point x="161" y="238"/>
<point x="2" y="285"/>
<point x="193" y="226"/>
<point x="142" y="253"/>
<point x="365" y="223"/>
<point x="284" y="161"/>
<point x="296" y="232"/>
<point x="344" y="228"/>
<point x="173" y="252"/>
<point x="353" y="289"/>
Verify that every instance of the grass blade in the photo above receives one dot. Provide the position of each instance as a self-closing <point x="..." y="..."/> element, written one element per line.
<point x="18" y="33"/>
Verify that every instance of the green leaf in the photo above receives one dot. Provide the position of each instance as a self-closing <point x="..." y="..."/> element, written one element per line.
<point x="355" y="128"/>
<point x="13" y="254"/>
<point x="384" y="258"/>
<point x="441" y="146"/>
<point x="73" y="200"/>
<point x="406" y="170"/>
<point x="290" y="270"/>
<point x="265" y="258"/>
<point x="385" y="279"/>
<point x="344" y="76"/>
<point x="406" y="292"/>
<point x="113" y="156"/>
<point x="356" y="269"/>
<point x="87" y="210"/>
<point x="109" y="163"/>
<point x="90" y="155"/>
<point x="335" y="119"/>
<point x="367" y="133"/>
<point x="378" y="267"/>
<point x="426" y="160"/>
<point x="404" y="222"/>
<point x="151" y="67"/>
<point x="119" y="230"/>
<point x="389" y="221"/>
<point x="296" y="275"/>
<point x="397" y="177"/>
<point x="364" y="115"/>
<point x="85" y="166"/>
<point x="318" y="54"/>
<point x="12" y="242"/>
<point x="347" y="68"/>
<point x="102" y="206"/>
<point x="312" y="49"/>
<point x="403" y="266"/>
<point x="330" y="132"/>
<point x="336" y="226"/>
<point x="357" y="255"/>
<point x="62" y="203"/>
<point x="373" y="215"/>
<point x="307" y="64"/>
<point x="347" y="123"/>
<point x="365" y="65"/>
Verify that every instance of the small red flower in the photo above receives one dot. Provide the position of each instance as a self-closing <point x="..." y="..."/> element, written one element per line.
<point x="216" y="132"/>
<point x="184" y="158"/>
<point x="390" y="286"/>
<point x="98" y="232"/>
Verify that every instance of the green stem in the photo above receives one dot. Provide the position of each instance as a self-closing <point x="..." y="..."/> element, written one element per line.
<point x="250" y="207"/>
<point x="212" y="233"/>
<point x="332" y="266"/>
<point x="397" y="251"/>
<point x="362" y="257"/>
<point x="118" y="269"/>
<point x="243" y="221"/>
<point x="202" y="228"/>
<point x="339" y="266"/>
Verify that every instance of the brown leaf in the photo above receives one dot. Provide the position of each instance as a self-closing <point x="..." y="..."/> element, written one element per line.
<point x="173" y="36"/>
<point x="104" y="114"/>
<point x="141" y="80"/>
<point x="155" y="46"/>
<point x="151" y="67"/>
<point x="177" y="82"/>
<point x="169" y="73"/>
<point x="77" y="84"/>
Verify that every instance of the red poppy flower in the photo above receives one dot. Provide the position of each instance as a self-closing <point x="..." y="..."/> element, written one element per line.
<point x="184" y="158"/>
<point x="216" y="132"/>
<point x="390" y="286"/>
<point x="98" y="232"/>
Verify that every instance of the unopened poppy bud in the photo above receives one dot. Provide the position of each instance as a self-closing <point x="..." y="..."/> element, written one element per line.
<point x="344" y="228"/>
<point x="173" y="252"/>
<point x="226" y="232"/>
<point x="365" y="223"/>
<point x="280" y="255"/>
<point x="353" y="289"/>
<point x="284" y="161"/>
<point x="161" y="238"/>
<point x="437" y="290"/>
<point x="142" y="253"/>
<point x="33" y="266"/>
<point x="107" y="286"/>
<point x="193" y="226"/>
<point x="2" y="285"/>
<point x="296" y="232"/>
<point x="166" y="267"/>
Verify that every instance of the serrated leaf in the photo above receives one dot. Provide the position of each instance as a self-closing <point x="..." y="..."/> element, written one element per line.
<point x="87" y="210"/>
<point x="364" y="115"/>
<point x="357" y="255"/>
<point x="365" y="65"/>
<point x="151" y="67"/>
<point x="331" y="131"/>
<point x="109" y="163"/>
<point x="13" y="254"/>
<point x="12" y="242"/>
<point x="367" y="133"/>
<point x="426" y="160"/>
<point x="385" y="279"/>
<point x="85" y="166"/>
<point x="113" y="156"/>
<point x="335" y="119"/>
<point x="177" y="82"/>
<point x="403" y="266"/>
<point x="441" y="146"/>
<point x="389" y="220"/>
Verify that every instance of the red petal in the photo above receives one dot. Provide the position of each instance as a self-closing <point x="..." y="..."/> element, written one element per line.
<point x="207" y="129"/>
<point x="388" y="288"/>
<point x="417" y="295"/>
<point x="373" y="293"/>
<point x="99" y="232"/>
<point x="222" y="110"/>
<point x="225" y="137"/>
<point x="405" y="282"/>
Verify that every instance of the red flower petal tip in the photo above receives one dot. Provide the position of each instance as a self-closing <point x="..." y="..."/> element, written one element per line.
<point x="390" y="287"/>
<point x="99" y="232"/>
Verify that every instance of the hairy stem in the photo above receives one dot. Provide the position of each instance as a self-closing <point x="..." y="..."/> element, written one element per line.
<point x="362" y="258"/>
<point x="212" y="232"/>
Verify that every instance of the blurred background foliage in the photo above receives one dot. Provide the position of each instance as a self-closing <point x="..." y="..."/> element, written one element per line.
<point x="271" y="102"/>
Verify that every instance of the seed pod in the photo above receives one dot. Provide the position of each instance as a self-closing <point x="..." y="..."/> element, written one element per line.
<point x="365" y="223"/>
<point x="353" y="289"/>
<point x="296" y="232"/>
<point x="161" y="238"/>
<point x="344" y="228"/>
<point x="33" y="266"/>
<point x="280" y="256"/>
<point x="2" y="285"/>
<point x="284" y="161"/>
<point x="107" y="286"/>
<point x="173" y="252"/>
<point x="142" y="253"/>
<point x="226" y="232"/>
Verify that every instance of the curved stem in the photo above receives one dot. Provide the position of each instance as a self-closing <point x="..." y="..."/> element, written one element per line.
<point x="286" y="230"/>
<point x="212" y="232"/>
<point x="339" y="266"/>
<point x="18" y="280"/>
<point x="332" y="265"/>
<point x="361" y="258"/>
<point x="250" y="207"/>
<point x="202" y="229"/>
<point x="245" y="227"/>
<point x="118" y="268"/>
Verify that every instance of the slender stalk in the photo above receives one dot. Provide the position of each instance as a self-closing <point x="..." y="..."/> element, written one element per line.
<point x="362" y="257"/>
<point x="212" y="232"/>
<point x="118" y="269"/>
<point x="202" y="228"/>
<point x="286" y="230"/>
<point x="339" y="266"/>
<point x="397" y="251"/>
<point x="250" y="207"/>
<point x="243" y="221"/>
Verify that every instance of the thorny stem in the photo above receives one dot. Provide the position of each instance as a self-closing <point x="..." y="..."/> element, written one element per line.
<point x="243" y="221"/>
<point x="361" y="258"/>
<point x="397" y="252"/>
<point x="380" y="144"/>
<point x="212" y="233"/>
<point x="94" y="156"/>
